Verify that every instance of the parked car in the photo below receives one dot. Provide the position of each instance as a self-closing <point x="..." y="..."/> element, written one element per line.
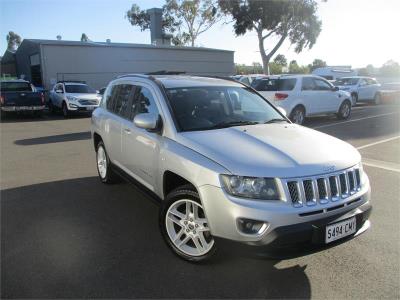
<point x="71" y="97"/>
<point x="247" y="79"/>
<point x="227" y="166"/>
<point x="361" y="88"/>
<point x="304" y="95"/>
<point x="20" y="96"/>
<point x="390" y="93"/>
<point x="332" y="73"/>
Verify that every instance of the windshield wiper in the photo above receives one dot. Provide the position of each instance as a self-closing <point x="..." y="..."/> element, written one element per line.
<point x="232" y="123"/>
<point x="276" y="120"/>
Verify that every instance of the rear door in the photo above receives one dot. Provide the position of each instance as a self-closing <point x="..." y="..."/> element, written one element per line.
<point x="309" y="95"/>
<point x="364" y="90"/>
<point x="140" y="148"/>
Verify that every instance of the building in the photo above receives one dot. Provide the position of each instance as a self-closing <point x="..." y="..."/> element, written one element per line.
<point x="8" y="68"/>
<point x="44" y="62"/>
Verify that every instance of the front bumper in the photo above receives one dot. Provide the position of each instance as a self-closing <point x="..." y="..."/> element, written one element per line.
<point x="285" y="224"/>
<point x="81" y="108"/>
<point x="22" y="108"/>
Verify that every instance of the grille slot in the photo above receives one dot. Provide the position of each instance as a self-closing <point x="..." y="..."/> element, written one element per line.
<point x="351" y="180"/>
<point x="308" y="190"/>
<point x="334" y="187"/>
<point x="294" y="191"/>
<point x="343" y="184"/>
<point x="322" y="188"/>
<point x="358" y="180"/>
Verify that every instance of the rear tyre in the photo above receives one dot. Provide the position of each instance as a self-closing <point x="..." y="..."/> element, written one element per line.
<point x="106" y="174"/>
<point x="344" y="110"/>
<point x="184" y="226"/>
<point x="298" y="115"/>
<point x="65" y="110"/>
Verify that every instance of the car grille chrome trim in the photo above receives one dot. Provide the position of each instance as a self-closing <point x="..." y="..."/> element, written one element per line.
<point x="310" y="191"/>
<point x="87" y="102"/>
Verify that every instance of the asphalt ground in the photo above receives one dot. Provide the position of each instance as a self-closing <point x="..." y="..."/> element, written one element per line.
<point x="66" y="235"/>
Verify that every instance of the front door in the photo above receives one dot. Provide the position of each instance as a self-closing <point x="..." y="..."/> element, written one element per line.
<point x="328" y="99"/>
<point x="140" y="148"/>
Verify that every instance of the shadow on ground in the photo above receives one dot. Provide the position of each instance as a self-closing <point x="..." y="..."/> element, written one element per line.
<point x="68" y="137"/>
<point x="13" y="117"/>
<point x="79" y="238"/>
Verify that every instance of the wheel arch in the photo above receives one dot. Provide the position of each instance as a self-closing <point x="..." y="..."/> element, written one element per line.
<point x="172" y="181"/>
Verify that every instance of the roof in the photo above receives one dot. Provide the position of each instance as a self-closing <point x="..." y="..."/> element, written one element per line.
<point x="180" y="81"/>
<point x="118" y="45"/>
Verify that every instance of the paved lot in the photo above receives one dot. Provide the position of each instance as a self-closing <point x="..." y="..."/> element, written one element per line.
<point x="64" y="234"/>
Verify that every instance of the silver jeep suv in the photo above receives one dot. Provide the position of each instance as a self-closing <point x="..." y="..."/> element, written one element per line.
<point x="227" y="166"/>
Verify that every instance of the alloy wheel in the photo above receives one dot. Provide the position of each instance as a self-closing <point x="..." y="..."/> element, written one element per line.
<point x="298" y="117"/>
<point x="345" y="110"/>
<point x="102" y="162"/>
<point x="187" y="228"/>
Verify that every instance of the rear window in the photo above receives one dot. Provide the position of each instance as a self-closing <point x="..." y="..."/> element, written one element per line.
<point x="275" y="84"/>
<point x="16" y="87"/>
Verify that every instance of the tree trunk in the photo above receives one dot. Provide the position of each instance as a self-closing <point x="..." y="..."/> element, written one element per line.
<point x="264" y="58"/>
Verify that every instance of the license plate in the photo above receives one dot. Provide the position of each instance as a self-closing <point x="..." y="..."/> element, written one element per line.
<point x="90" y="108"/>
<point x="340" y="230"/>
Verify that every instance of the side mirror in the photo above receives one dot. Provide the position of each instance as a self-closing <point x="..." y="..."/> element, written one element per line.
<point x="97" y="92"/>
<point x="282" y="111"/>
<point x="335" y="88"/>
<point x="59" y="91"/>
<point x="147" y="121"/>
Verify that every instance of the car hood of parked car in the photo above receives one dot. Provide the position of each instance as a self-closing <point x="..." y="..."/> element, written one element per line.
<point x="272" y="150"/>
<point x="85" y="96"/>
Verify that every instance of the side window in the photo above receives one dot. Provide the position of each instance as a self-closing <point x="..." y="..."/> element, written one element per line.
<point x="143" y="102"/>
<point x="321" y="85"/>
<point x="121" y="106"/>
<point x="110" y="97"/>
<point x="371" y="81"/>
<point x="363" y="82"/>
<point x="307" y="84"/>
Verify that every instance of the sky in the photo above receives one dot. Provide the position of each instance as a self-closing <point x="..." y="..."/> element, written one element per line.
<point x="354" y="32"/>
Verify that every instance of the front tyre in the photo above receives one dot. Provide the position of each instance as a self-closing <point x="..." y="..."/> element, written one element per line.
<point x="354" y="99"/>
<point x="344" y="110"/>
<point x="106" y="174"/>
<point x="184" y="225"/>
<point x="65" y="110"/>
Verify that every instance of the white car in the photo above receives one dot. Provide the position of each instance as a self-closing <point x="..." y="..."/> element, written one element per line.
<point x="247" y="79"/>
<point x="73" y="97"/>
<point x="360" y="88"/>
<point x="302" y="96"/>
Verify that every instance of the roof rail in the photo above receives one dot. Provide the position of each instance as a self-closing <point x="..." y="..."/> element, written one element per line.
<point x="165" y="72"/>
<point x="134" y="75"/>
<point x="74" y="81"/>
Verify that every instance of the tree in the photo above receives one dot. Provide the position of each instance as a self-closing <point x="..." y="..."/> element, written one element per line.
<point x="275" y="68"/>
<point x="317" y="63"/>
<point x="294" y="68"/>
<point x="295" y="21"/>
<point x="185" y="19"/>
<point x="13" y="41"/>
<point x="281" y="60"/>
<point x="84" y="38"/>
<point x="390" y="68"/>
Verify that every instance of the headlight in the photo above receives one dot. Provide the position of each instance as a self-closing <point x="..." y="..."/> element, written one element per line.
<point x="71" y="98"/>
<point x="251" y="187"/>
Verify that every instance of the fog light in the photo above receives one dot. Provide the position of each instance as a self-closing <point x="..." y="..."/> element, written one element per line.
<point x="71" y="105"/>
<point x="248" y="226"/>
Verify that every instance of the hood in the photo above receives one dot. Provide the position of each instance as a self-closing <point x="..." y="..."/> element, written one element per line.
<point x="85" y="96"/>
<point x="272" y="150"/>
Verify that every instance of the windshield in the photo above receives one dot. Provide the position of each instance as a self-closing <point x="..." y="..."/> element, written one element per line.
<point x="16" y="87"/>
<point x="346" y="81"/>
<point x="79" y="89"/>
<point x="205" y="108"/>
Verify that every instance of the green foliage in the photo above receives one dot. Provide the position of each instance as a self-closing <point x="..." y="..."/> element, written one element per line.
<point x="281" y="60"/>
<point x="185" y="19"/>
<point x="294" y="20"/>
<point x="317" y="63"/>
<point x="13" y="41"/>
<point x="294" y="68"/>
<point x="275" y="68"/>
<point x="391" y="69"/>
<point x="84" y="38"/>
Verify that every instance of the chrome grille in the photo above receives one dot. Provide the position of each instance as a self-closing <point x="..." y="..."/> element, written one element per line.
<point x="322" y="189"/>
<point x="87" y="102"/>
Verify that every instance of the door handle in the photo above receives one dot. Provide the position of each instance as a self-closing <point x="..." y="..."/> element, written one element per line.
<point x="127" y="130"/>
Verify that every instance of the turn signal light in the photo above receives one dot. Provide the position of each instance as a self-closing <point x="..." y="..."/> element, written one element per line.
<point x="1" y="99"/>
<point x="281" y="96"/>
